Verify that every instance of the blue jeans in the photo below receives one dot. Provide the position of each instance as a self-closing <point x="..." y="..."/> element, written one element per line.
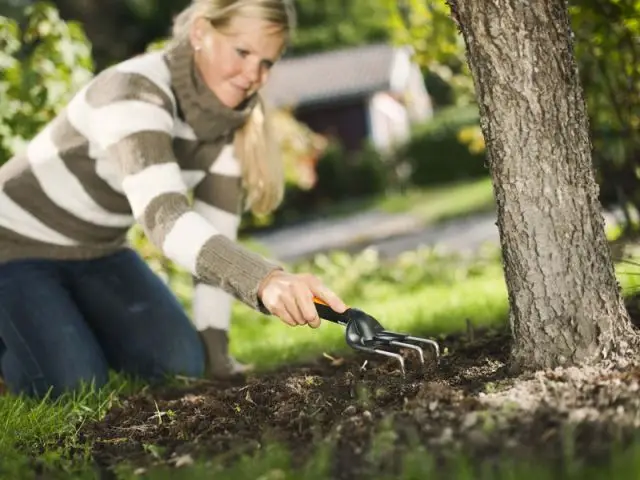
<point x="63" y="323"/>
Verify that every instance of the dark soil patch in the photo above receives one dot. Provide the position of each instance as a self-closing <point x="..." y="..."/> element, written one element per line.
<point x="468" y="403"/>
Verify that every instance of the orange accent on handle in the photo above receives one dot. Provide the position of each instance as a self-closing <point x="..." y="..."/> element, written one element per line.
<point x="327" y="313"/>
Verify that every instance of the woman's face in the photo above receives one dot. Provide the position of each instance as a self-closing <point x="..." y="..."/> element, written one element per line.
<point x="236" y="64"/>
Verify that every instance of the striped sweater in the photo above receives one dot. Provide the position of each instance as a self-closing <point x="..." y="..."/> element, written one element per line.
<point x="131" y="146"/>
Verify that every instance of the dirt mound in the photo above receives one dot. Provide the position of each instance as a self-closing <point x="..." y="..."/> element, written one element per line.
<point x="468" y="403"/>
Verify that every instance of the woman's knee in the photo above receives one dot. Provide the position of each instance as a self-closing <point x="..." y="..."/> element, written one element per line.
<point x="188" y="363"/>
<point x="77" y="380"/>
<point x="47" y="344"/>
<point x="58" y="378"/>
<point x="181" y="355"/>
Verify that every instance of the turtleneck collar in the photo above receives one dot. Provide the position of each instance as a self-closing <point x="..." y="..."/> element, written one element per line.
<point x="200" y="107"/>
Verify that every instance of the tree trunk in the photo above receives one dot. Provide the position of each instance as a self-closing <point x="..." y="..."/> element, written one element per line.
<point x="565" y="303"/>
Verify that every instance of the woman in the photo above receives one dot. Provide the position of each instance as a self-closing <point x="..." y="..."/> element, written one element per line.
<point x="133" y="146"/>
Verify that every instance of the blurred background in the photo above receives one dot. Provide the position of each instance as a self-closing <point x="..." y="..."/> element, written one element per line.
<point x="374" y="97"/>
<point x="375" y="113"/>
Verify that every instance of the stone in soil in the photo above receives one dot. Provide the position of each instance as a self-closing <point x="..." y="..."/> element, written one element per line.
<point x="468" y="403"/>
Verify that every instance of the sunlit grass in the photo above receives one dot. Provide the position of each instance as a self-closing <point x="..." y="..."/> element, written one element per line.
<point x="430" y="310"/>
<point x="443" y="202"/>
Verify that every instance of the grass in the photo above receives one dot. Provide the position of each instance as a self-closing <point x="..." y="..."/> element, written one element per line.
<point x="273" y="462"/>
<point x="48" y="429"/>
<point x="430" y="204"/>
<point x="443" y="202"/>
<point x="433" y="309"/>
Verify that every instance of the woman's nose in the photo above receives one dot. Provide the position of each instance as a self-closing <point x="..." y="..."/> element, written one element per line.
<point x="252" y="71"/>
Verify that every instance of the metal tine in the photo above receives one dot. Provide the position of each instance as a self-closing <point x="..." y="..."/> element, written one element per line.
<point x="406" y="337"/>
<point x="409" y="345"/>
<point x="397" y="356"/>
<point x="427" y="341"/>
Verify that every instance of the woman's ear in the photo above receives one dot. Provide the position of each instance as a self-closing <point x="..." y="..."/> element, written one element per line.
<point x="197" y="32"/>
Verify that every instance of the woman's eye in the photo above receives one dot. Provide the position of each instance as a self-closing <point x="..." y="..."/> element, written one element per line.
<point x="242" y="53"/>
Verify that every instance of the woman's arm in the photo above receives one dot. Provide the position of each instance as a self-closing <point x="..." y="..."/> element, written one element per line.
<point x="217" y="198"/>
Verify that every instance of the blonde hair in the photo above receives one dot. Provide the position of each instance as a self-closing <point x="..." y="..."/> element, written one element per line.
<point x="256" y="147"/>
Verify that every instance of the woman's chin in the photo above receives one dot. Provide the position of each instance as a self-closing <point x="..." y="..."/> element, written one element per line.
<point x="232" y="99"/>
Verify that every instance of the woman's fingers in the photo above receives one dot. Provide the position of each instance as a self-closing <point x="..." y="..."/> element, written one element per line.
<point x="306" y="308"/>
<point x="325" y="294"/>
<point x="282" y="312"/>
<point x="290" y="297"/>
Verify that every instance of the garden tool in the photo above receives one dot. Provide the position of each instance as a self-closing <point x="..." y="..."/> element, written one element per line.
<point x="365" y="333"/>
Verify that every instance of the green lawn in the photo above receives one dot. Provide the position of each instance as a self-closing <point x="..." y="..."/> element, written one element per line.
<point x="444" y="202"/>
<point x="415" y="305"/>
<point x="431" y="204"/>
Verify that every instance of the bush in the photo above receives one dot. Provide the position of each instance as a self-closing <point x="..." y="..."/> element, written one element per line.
<point x="42" y="65"/>
<point x="367" y="274"/>
<point x="445" y="149"/>
<point x="343" y="175"/>
<point x="340" y="176"/>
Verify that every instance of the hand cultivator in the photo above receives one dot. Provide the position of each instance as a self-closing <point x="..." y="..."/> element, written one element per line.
<point x="365" y="333"/>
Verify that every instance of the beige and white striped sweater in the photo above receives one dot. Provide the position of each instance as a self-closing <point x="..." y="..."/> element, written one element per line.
<point x="130" y="146"/>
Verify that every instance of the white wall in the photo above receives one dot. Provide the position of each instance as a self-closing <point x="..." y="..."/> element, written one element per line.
<point x="388" y="120"/>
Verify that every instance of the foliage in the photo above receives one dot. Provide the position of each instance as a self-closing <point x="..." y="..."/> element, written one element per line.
<point x="365" y="273"/>
<point x="121" y="29"/>
<point x="440" y="51"/>
<point x="300" y="147"/>
<point x="340" y="177"/>
<point x="445" y="148"/>
<point x="608" y="47"/>
<point x="326" y="26"/>
<point x="438" y="47"/>
<point x="343" y="174"/>
<point x="43" y="65"/>
<point x="608" y="50"/>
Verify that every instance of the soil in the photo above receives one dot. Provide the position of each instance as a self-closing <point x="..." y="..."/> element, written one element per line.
<point x="467" y="403"/>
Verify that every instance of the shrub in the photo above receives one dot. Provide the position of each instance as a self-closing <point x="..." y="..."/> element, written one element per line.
<point x="339" y="176"/>
<point x="445" y="149"/>
<point x="343" y="174"/>
<point x="366" y="273"/>
<point x="42" y="65"/>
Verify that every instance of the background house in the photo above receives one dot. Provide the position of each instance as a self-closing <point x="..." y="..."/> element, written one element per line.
<point x="368" y="93"/>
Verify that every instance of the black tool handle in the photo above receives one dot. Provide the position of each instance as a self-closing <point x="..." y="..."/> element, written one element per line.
<point x="362" y="330"/>
<point x="327" y="313"/>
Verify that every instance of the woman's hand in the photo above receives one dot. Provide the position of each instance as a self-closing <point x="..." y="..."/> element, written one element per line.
<point x="290" y="297"/>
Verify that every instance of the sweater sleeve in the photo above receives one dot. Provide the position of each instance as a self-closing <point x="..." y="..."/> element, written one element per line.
<point x="136" y="130"/>
<point x="217" y="198"/>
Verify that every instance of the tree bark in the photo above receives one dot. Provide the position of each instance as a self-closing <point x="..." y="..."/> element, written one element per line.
<point x="565" y="303"/>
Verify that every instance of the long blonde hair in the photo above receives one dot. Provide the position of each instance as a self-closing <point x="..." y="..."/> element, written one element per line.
<point x="256" y="147"/>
